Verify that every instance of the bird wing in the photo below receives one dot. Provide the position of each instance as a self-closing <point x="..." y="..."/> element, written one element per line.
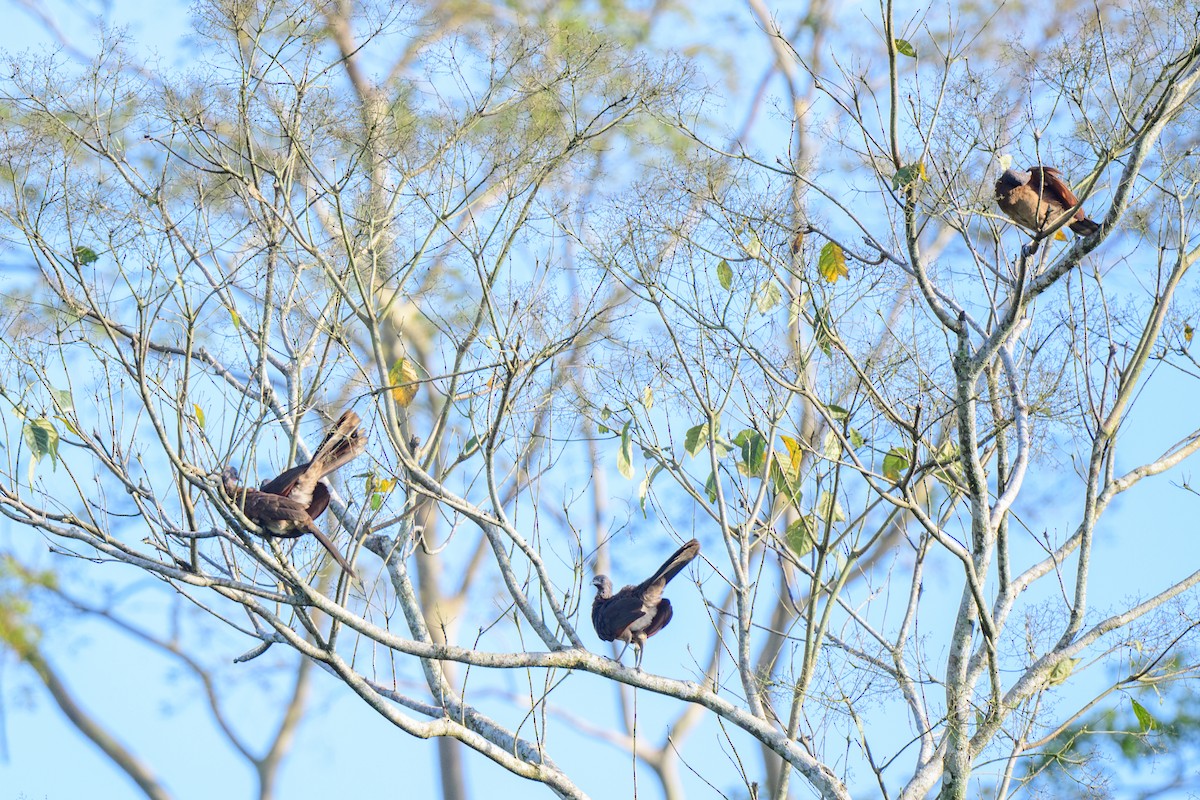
<point x="275" y="514"/>
<point x="1048" y="183"/>
<point x="611" y="617"/>
<point x="284" y="482"/>
<point x="662" y="616"/>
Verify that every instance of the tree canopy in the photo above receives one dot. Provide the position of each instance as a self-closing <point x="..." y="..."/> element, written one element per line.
<point x="592" y="303"/>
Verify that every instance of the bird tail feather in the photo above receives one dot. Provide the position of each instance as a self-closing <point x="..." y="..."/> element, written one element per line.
<point x="344" y="443"/>
<point x="333" y="551"/>
<point x="675" y="564"/>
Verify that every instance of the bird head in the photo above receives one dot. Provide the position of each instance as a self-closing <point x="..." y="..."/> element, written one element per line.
<point x="229" y="479"/>
<point x="1012" y="179"/>
<point x="603" y="585"/>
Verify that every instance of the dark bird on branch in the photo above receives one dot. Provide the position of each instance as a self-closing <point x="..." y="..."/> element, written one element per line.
<point x="278" y="516"/>
<point x="302" y="483"/>
<point x="1038" y="199"/>
<point x="636" y="613"/>
<point x="287" y="504"/>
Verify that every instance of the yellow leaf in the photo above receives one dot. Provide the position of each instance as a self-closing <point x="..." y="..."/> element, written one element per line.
<point x="795" y="453"/>
<point x="798" y="242"/>
<point x="831" y="264"/>
<point x="1059" y="236"/>
<point x="1061" y="671"/>
<point x="403" y="379"/>
<point x="1188" y="332"/>
<point x="199" y="414"/>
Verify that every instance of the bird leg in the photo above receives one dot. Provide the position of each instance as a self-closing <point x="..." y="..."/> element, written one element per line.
<point x="623" y="649"/>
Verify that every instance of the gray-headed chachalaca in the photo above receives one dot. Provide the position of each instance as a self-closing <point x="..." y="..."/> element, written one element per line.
<point x="1038" y="198"/>
<point x="286" y="505"/>
<point x="636" y="613"/>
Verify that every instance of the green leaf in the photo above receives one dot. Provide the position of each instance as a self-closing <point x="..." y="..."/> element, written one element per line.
<point x="1061" y="671"/>
<point x="721" y="447"/>
<point x="470" y="447"/>
<point x="710" y="487"/>
<point x="837" y="413"/>
<point x="696" y="437"/>
<point x="831" y="446"/>
<point x="857" y="440"/>
<point x="754" y="452"/>
<point x="376" y="501"/>
<point x="908" y="175"/>
<point x="725" y="275"/>
<point x="1145" y="720"/>
<point x="787" y="486"/>
<point x="233" y="315"/>
<point x="84" y="256"/>
<point x="829" y="509"/>
<point x="753" y="246"/>
<point x="950" y="473"/>
<point x="905" y="48"/>
<point x="895" y="463"/>
<point x="42" y="438"/>
<point x="796" y="305"/>
<point x="801" y="535"/>
<point x="767" y="296"/>
<point x="625" y="454"/>
<point x="199" y="414"/>
<point x="823" y="331"/>
<point x="831" y="264"/>
<point x="644" y="486"/>
<point x="63" y="400"/>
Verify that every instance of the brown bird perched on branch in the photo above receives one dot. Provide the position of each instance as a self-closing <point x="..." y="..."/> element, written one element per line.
<point x="1038" y="199"/>
<point x="636" y="613"/>
<point x="286" y="505"/>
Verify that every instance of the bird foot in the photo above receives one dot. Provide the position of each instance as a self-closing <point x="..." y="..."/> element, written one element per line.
<point x="1029" y="249"/>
